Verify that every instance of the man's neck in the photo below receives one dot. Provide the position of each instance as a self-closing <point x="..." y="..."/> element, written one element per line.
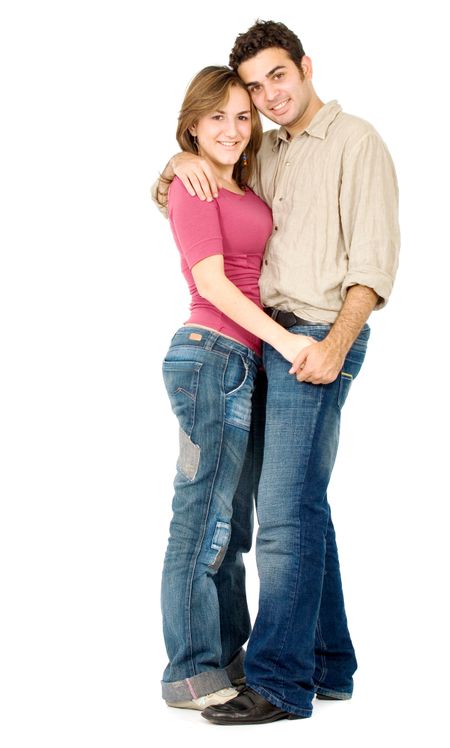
<point x="314" y="105"/>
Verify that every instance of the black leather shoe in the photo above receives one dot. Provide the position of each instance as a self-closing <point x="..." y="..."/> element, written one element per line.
<point x="249" y="708"/>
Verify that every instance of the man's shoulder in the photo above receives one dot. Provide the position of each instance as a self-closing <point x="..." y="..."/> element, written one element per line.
<point x="353" y="129"/>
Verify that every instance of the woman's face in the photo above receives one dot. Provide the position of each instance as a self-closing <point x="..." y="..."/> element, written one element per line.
<point x="223" y="135"/>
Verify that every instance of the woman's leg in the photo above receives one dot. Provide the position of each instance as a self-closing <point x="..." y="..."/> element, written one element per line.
<point x="210" y="384"/>
<point x="235" y="623"/>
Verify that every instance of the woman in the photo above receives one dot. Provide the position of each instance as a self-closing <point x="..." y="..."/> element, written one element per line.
<point x="210" y="372"/>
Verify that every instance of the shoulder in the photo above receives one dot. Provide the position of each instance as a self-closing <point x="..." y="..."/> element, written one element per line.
<point x="355" y="131"/>
<point x="180" y="199"/>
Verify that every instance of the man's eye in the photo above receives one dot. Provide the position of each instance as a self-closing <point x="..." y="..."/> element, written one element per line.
<point x="255" y="89"/>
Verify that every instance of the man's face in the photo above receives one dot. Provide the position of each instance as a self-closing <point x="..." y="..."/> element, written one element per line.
<point x="276" y="86"/>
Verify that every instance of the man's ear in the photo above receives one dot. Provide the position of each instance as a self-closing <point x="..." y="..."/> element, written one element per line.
<point x="306" y="65"/>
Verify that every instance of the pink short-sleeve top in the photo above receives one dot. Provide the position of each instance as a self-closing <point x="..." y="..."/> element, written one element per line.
<point x="232" y="225"/>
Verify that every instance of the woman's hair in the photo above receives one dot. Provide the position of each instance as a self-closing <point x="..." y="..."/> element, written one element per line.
<point x="207" y="93"/>
<point x="263" y="35"/>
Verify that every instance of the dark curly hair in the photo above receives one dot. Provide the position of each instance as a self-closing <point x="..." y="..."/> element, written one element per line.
<point x="262" y="35"/>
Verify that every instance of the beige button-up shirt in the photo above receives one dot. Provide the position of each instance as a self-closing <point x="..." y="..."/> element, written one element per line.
<point x="334" y="198"/>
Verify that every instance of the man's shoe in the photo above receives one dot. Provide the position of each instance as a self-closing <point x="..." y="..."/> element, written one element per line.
<point x="249" y="708"/>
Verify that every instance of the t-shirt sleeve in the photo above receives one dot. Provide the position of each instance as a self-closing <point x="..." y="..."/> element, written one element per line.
<point x="195" y="224"/>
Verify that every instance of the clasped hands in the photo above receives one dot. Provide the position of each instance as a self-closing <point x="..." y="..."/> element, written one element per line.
<point x="317" y="363"/>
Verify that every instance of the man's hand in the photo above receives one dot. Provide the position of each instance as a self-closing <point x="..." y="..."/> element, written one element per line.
<point x="319" y="363"/>
<point x="196" y="175"/>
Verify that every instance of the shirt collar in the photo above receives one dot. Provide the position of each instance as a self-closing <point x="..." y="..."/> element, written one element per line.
<point x="318" y="127"/>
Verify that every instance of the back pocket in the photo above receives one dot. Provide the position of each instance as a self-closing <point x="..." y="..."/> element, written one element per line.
<point x="181" y="379"/>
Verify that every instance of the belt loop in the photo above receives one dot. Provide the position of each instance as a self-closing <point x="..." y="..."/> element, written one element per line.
<point x="211" y="340"/>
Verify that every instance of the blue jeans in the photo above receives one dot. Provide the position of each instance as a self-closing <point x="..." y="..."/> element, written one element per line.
<point x="210" y="381"/>
<point x="300" y="643"/>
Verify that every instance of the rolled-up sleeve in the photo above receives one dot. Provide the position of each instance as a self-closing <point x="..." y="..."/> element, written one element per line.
<point x="369" y="216"/>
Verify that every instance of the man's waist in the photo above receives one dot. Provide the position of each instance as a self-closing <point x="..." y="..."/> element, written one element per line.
<point x="289" y="319"/>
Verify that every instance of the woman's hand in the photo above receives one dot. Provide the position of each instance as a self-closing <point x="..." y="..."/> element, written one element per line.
<point x="294" y="344"/>
<point x="196" y="175"/>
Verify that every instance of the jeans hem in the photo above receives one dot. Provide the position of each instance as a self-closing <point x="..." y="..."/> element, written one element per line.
<point x="338" y="695"/>
<point x="199" y="685"/>
<point x="300" y="711"/>
<point x="235" y="670"/>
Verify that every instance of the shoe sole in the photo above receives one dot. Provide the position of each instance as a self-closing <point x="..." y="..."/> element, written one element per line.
<point x="322" y="697"/>
<point x="275" y="718"/>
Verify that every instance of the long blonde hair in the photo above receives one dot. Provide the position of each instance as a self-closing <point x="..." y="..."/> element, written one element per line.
<point x="206" y="93"/>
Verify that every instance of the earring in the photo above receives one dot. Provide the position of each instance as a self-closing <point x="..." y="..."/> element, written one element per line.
<point x="244" y="159"/>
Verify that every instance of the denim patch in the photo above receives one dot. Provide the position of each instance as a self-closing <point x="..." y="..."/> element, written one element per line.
<point x="219" y="543"/>
<point x="189" y="458"/>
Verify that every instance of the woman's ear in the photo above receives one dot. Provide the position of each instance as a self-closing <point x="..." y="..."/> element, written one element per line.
<point x="193" y="130"/>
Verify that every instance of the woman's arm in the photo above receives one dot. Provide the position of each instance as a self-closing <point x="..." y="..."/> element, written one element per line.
<point x="213" y="285"/>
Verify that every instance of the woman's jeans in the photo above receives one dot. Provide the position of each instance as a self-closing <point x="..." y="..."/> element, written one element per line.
<point x="210" y="381"/>
<point x="300" y="643"/>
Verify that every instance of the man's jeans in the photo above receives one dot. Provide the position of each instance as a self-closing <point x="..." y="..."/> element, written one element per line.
<point x="210" y="381"/>
<point x="300" y="642"/>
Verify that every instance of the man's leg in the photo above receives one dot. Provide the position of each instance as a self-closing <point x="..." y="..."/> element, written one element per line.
<point x="301" y="439"/>
<point x="334" y="653"/>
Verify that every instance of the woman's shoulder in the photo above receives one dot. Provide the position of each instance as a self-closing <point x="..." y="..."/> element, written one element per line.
<point x="179" y="196"/>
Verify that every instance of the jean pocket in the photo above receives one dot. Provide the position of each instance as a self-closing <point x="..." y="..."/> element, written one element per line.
<point x="352" y="366"/>
<point x="345" y="383"/>
<point x="235" y="374"/>
<point x="181" y="379"/>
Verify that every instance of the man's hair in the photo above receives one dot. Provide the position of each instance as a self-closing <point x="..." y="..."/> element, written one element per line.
<point x="263" y="35"/>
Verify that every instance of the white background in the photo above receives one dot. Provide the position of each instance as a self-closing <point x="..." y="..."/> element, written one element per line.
<point x="90" y="294"/>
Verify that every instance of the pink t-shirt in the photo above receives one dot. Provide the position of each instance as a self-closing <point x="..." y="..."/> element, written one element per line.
<point x="235" y="226"/>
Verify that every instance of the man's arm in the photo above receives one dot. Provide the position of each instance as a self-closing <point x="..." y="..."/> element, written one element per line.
<point x="195" y="173"/>
<point x="321" y="362"/>
<point x="368" y="205"/>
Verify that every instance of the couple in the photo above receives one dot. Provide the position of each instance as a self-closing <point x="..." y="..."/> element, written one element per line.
<point x="301" y="220"/>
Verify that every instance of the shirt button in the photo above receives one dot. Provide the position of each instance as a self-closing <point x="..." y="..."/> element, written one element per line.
<point x="266" y="262"/>
<point x="280" y="198"/>
<point x="288" y="163"/>
<point x="275" y="228"/>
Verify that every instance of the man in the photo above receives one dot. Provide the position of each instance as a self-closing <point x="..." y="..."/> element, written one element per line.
<point x="330" y="262"/>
